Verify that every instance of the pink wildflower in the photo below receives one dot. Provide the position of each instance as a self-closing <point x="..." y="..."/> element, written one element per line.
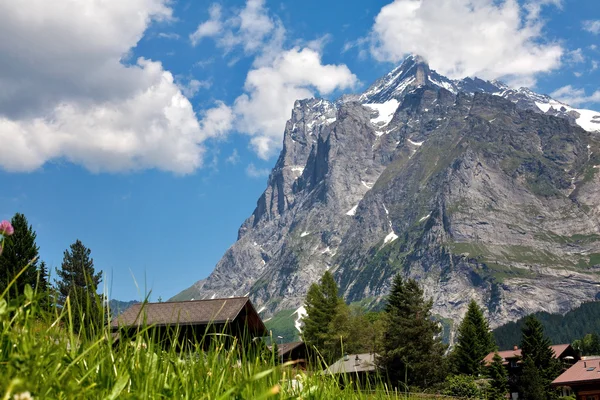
<point x="6" y="229"/>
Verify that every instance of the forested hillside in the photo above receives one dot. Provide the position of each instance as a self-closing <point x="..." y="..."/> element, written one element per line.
<point x="559" y="328"/>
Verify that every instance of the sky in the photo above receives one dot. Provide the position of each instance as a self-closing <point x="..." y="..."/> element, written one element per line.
<point x="147" y="128"/>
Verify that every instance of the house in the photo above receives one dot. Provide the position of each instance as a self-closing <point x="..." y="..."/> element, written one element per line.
<point x="359" y="368"/>
<point x="512" y="360"/>
<point x="183" y="323"/>
<point x="298" y="352"/>
<point x="582" y="379"/>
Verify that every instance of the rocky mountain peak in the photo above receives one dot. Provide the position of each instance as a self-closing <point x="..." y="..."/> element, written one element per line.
<point x="456" y="183"/>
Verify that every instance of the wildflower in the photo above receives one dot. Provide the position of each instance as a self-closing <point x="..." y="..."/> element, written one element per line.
<point x="23" y="396"/>
<point x="6" y="229"/>
<point x="275" y="389"/>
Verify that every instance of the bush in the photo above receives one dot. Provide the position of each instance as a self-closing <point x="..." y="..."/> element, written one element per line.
<point x="462" y="386"/>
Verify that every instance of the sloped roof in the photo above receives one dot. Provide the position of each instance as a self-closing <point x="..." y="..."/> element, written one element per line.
<point x="583" y="371"/>
<point x="558" y="350"/>
<point x="194" y="312"/>
<point x="364" y="362"/>
<point x="284" y="348"/>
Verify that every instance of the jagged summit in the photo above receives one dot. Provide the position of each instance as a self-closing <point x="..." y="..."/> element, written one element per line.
<point x="456" y="183"/>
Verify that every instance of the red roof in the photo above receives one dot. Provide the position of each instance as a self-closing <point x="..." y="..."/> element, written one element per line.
<point x="558" y="349"/>
<point x="582" y="371"/>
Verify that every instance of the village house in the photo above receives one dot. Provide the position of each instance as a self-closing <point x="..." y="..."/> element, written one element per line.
<point x="512" y="361"/>
<point x="356" y="368"/>
<point x="183" y="323"/>
<point x="582" y="379"/>
<point x="296" y="352"/>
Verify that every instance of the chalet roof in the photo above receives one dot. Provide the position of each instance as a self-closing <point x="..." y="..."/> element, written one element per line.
<point x="583" y="371"/>
<point x="194" y="312"/>
<point x="506" y="355"/>
<point x="284" y="348"/>
<point x="364" y="362"/>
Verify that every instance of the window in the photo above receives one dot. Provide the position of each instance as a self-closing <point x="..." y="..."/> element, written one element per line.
<point x="591" y="397"/>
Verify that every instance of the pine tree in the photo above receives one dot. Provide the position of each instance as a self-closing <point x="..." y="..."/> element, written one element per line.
<point x="43" y="287"/>
<point x="536" y="350"/>
<point x="322" y="302"/>
<point x="411" y="350"/>
<point x="20" y="251"/>
<point x="474" y="342"/>
<point x="79" y="281"/>
<point x="532" y="384"/>
<point x="498" y="379"/>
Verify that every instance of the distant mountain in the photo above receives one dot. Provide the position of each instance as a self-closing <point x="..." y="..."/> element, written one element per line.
<point x="117" y="307"/>
<point x="567" y="328"/>
<point x="473" y="188"/>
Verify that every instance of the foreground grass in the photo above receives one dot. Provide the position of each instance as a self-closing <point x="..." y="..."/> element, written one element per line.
<point x="41" y="356"/>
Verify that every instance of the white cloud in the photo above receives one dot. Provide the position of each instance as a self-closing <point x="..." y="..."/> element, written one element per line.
<point x="575" y="56"/>
<point x="217" y="121"/>
<point x="210" y="28"/>
<point x="272" y="90"/>
<point x="254" y="172"/>
<point x="70" y="95"/>
<point x="250" y="28"/>
<point x="575" y="97"/>
<point x="168" y="35"/>
<point x="190" y="89"/>
<point x="234" y="158"/>
<point x="592" y="26"/>
<point x="594" y="65"/>
<point x="459" y="38"/>
<point x="279" y="76"/>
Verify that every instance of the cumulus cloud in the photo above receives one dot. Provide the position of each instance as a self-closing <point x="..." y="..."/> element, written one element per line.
<point x="212" y="27"/>
<point x="592" y="26"/>
<point x="278" y="78"/>
<point x="484" y="38"/>
<point x="574" y="96"/>
<point x="272" y="90"/>
<point x="65" y="92"/>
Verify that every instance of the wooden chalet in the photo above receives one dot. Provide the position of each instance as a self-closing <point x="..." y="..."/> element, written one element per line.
<point x="298" y="352"/>
<point x="581" y="380"/>
<point x="512" y="361"/>
<point x="183" y="323"/>
<point x="358" y="368"/>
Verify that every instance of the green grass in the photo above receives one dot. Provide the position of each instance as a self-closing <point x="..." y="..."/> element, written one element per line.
<point x="43" y="356"/>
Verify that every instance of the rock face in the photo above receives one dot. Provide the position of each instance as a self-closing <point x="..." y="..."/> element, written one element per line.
<point x="476" y="190"/>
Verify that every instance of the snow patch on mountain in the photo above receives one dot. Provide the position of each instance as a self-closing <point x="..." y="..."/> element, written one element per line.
<point x="352" y="211"/>
<point x="390" y="237"/>
<point x="300" y="313"/>
<point x="385" y="111"/>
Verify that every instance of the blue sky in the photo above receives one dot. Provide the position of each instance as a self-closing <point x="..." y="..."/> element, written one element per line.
<point x="147" y="128"/>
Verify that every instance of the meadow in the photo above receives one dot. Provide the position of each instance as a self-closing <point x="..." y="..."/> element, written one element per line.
<point x="42" y="356"/>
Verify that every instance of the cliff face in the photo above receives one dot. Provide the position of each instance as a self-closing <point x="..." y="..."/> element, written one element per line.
<point x="476" y="190"/>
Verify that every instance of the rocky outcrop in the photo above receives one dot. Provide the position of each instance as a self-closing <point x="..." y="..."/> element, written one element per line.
<point x="476" y="190"/>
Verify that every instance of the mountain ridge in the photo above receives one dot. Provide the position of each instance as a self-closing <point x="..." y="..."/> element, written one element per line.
<point x="422" y="175"/>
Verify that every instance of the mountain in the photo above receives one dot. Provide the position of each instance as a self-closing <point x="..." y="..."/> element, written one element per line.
<point x="475" y="189"/>
<point x="117" y="307"/>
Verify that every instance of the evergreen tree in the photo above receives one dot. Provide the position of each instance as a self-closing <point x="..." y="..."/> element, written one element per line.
<point x="411" y="349"/>
<point x="498" y="379"/>
<point x="20" y="251"/>
<point x="322" y="306"/>
<point x="79" y="281"/>
<point x="474" y="342"/>
<point x="43" y="287"/>
<point x="532" y="384"/>
<point x="536" y="351"/>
